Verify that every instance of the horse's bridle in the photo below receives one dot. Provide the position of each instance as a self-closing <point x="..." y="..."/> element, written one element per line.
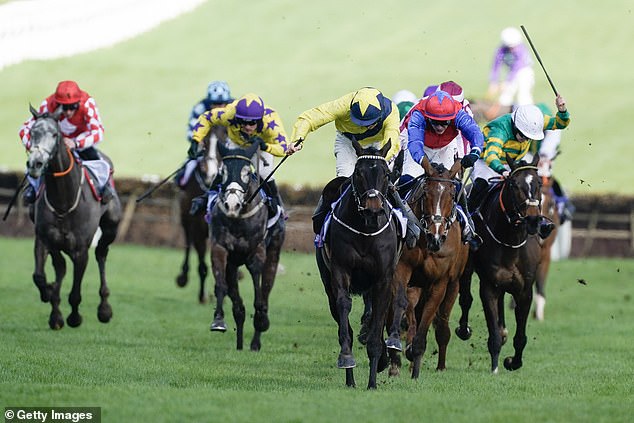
<point x="438" y="218"/>
<point x="240" y="190"/>
<point x="371" y="193"/>
<point x="514" y="216"/>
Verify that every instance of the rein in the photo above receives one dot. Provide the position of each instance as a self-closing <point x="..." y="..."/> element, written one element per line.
<point x="70" y="166"/>
<point x="438" y="218"/>
<point x="249" y="213"/>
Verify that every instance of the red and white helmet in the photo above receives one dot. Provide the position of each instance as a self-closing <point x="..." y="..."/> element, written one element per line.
<point x="440" y="106"/>
<point x="67" y="92"/>
<point x="529" y="120"/>
<point x="453" y="89"/>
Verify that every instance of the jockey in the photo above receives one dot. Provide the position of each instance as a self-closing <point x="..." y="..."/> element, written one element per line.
<point x="218" y="95"/>
<point x="247" y="120"/>
<point x="512" y="134"/>
<point x="434" y="129"/>
<point x="371" y="119"/>
<point x="81" y="129"/>
<point x="513" y="55"/>
<point x="404" y="101"/>
<point x="548" y="150"/>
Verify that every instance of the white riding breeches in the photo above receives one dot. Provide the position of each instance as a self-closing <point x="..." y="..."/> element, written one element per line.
<point x="346" y="157"/>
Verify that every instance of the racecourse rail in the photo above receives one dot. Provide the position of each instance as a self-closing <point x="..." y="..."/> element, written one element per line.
<point x="603" y="225"/>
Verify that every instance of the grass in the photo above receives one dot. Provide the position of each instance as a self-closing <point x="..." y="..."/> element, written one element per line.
<point x="157" y="361"/>
<point x="297" y="55"/>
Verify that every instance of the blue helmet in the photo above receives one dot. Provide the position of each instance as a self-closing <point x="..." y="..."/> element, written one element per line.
<point x="365" y="107"/>
<point x="218" y="92"/>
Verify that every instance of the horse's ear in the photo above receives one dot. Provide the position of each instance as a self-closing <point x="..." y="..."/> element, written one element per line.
<point x="427" y="167"/>
<point x="357" y="147"/>
<point x="457" y="165"/>
<point x="535" y="160"/>
<point x="386" y="148"/>
<point x="57" y="113"/>
<point x="222" y="149"/>
<point x="510" y="161"/>
<point x="33" y="111"/>
<point x="253" y="148"/>
<point x="397" y="170"/>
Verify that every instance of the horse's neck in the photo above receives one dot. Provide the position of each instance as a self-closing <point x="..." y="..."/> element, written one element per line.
<point x="497" y="219"/>
<point x="62" y="178"/>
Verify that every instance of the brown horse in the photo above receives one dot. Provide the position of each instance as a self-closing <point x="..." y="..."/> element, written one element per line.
<point x="66" y="218"/>
<point x="507" y="262"/>
<point x="487" y="110"/>
<point x="194" y="225"/>
<point x="429" y="273"/>
<point x="549" y="210"/>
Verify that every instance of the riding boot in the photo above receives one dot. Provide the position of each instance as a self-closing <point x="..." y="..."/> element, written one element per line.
<point x="546" y="226"/>
<point x="29" y="194"/>
<point x="106" y="193"/>
<point x="413" y="225"/>
<point x="469" y="235"/>
<point x="275" y="199"/>
<point x="479" y="189"/>
<point x="202" y="201"/>
<point x="319" y="215"/>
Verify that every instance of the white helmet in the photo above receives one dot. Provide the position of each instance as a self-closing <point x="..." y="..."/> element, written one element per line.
<point x="511" y="37"/>
<point x="404" y="95"/>
<point x="529" y="120"/>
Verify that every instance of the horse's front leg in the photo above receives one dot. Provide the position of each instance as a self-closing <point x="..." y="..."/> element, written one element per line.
<point x="522" y="310"/>
<point x="108" y="234"/>
<point x="219" y="266"/>
<point x="80" y="261"/>
<point x="200" y="244"/>
<point x="490" y="299"/>
<point x="182" y="278"/>
<point x="398" y="306"/>
<point x="342" y="307"/>
<point x="260" y="297"/>
<point x="237" y="305"/>
<point x="40" y="253"/>
<point x="56" y="320"/>
<point x="441" y="322"/>
<point x="377" y="351"/>
<point x="465" y="299"/>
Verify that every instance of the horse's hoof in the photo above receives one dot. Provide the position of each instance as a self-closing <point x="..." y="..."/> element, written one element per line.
<point x="394" y="371"/>
<point x="394" y="344"/>
<point x="363" y="334"/>
<point x="384" y="362"/>
<point x="346" y="361"/>
<point x="510" y="364"/>
<point x="104" y="313"/>
<point x="181" y="280"/>
<point x="408" y="353"/>
<point x="463" y="333"/>
<point x="261" y="321"/>
<point x="74" y="320"/>
<point x="218" y="325"/>
<point x="56" y="322"/>
<point x="255" y="346"/>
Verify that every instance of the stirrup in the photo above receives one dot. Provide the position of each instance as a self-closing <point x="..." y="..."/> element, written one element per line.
<point x="29" y="194"/>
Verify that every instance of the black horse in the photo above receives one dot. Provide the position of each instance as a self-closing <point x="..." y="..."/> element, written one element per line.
<point x="194" y="225"/>
<point x="66" y="217"/>
<point x="359" y="256"/>
<point x="239" y="236"/>
<point x="508" y="259"/>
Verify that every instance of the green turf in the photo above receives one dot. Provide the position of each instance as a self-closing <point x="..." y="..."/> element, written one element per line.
<point x="157" y="361"/>
<point x="299" y="54"/>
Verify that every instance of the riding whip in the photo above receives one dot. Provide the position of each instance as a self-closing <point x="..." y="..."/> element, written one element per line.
<point x="298" y="142"/>
<point x="15" y="196"/>
<point x="465" y="177"/>
<point x="539" y="59"/>
<point x="157" y="186"/>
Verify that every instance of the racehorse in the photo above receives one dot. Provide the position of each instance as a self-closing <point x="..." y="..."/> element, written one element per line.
<point x="359" y="255"/>
<point x="66" y="218"/>
<point x="507" y="261"/>
<point x="549" y="210"/>
<point x="239" y="236"/>
<point x="429" y="273"/>
<point x="194" y="225"/>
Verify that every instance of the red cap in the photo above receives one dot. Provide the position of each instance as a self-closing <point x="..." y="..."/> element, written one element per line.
<point x="67" y="92"/>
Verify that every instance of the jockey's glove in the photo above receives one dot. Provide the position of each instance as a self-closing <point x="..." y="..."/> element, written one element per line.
<point x="192" y="153"/>
<point x="470" y="159"/>
<point x="260" y="142"/>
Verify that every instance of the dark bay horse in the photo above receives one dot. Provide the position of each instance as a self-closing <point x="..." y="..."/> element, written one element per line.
<point x="507" y="262"/>
<point x="66" y="218"/>
<point x="429" y="273"/>
<point x="239" y="236"/>
<point x="194" y="225"/>
<point x="360" y="255"/>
